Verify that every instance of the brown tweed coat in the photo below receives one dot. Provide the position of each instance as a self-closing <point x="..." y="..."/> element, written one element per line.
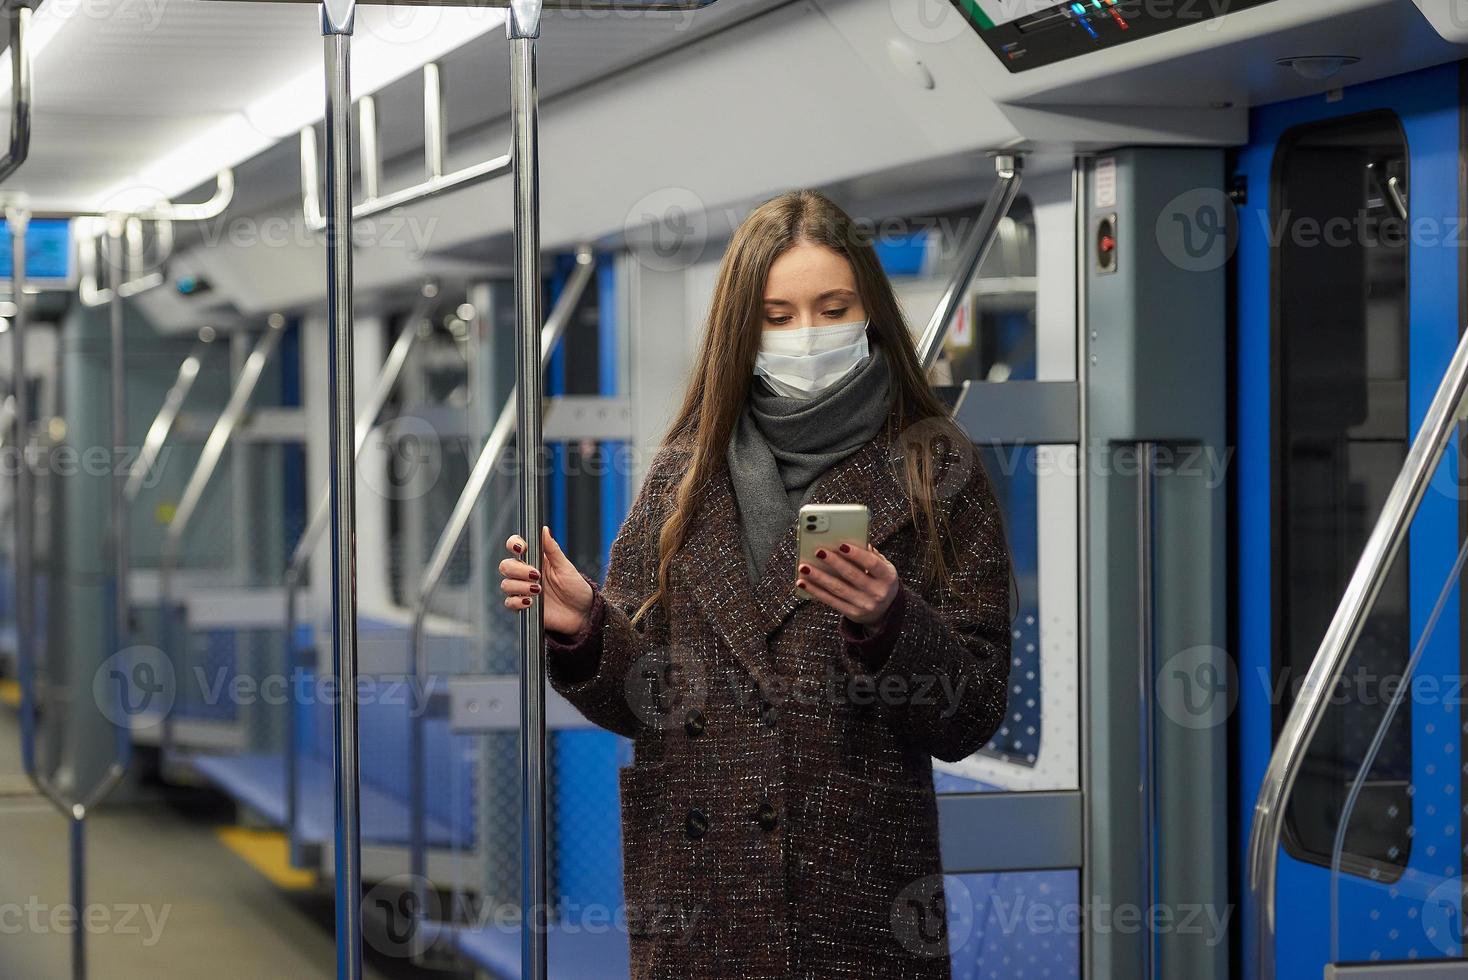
<point x="779" y="819"/>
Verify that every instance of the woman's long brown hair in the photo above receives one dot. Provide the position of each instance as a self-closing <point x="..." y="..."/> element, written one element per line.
<point x="720" y="384"/>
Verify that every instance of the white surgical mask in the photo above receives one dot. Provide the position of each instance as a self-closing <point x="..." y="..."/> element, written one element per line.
<point x="801" y="362"/>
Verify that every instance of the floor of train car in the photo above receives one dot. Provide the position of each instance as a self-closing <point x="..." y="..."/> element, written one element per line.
<point x="158" y="855"/>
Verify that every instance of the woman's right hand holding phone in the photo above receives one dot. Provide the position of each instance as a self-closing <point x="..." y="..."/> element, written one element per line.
<point x="565" y="593"/>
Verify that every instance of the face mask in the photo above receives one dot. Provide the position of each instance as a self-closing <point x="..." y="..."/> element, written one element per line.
<point x="804" y="361"/>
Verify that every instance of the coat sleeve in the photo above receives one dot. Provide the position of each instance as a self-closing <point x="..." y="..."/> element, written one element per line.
<point x="945" y="674"/>
<point x="594" y="669"/>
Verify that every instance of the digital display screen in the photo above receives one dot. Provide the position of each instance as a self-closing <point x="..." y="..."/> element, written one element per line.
<point x="992" y="13"/>
<point x="47" y="251"/>
<point x="1026" y="34"/>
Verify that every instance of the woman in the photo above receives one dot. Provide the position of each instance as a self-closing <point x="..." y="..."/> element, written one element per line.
<point x="779" y="820"/>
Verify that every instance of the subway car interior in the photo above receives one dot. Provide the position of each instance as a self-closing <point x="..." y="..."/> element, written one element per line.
<point x="311" y="306"/>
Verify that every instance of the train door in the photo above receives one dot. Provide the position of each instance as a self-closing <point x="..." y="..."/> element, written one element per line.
<point x="1348" y="310"/>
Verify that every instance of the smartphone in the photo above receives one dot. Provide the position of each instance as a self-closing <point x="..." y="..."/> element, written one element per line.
<point x="827" y="526"/>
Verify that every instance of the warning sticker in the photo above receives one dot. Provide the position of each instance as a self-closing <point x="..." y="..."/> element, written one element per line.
<point x="1103" y="191"/>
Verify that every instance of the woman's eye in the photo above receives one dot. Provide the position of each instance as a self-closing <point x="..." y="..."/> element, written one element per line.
<point x="778" y="321"/>
<point x="834" y="314"/>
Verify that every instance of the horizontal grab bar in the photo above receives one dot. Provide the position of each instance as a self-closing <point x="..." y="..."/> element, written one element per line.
<point x="435" y="181"/>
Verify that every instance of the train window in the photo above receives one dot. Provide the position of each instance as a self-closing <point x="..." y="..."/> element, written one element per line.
<point x="995" y="338"/>
<point x="1341" y="433"/>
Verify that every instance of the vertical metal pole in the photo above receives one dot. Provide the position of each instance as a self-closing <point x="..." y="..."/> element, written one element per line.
<point x="16" y="221"/>
<point x="78" y="840"/>
<point x="117" y="489"/>
<point x="1147" y="729"/>
<point x="524" y="27"/>
<point x="1078" y="187"/>
<point x="434" y="126"/>
<point x="369" y="148"/>
<point x="336" y="25"/>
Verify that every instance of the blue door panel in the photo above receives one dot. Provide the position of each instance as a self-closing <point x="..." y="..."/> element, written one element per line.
<point x="1379" y="921"/>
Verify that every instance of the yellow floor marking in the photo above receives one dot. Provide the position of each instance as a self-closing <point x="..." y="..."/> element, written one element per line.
<point x="268" y="852"/>
<point x="10" y="694"/>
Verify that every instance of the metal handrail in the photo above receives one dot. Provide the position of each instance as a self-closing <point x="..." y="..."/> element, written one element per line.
<point x="20" y="91"/>
<point x="162" y="425"/>
<point x="435" y="181"/>
<point x="218" y="440"/>
<point x="164" y="214"/>
<point x="295" y="574"/>
<point x="1335" y="648"/>
<point x="89" y="290"/>
<point x="495" y="445"/>
<point x="1008" y="168"/>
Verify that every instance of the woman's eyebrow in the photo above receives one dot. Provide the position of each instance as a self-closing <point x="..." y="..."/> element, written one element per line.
<point x="828" y="294"/>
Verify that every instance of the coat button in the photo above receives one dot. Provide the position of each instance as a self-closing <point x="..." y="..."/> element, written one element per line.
<point x="694" y="722"/>
<point x="768" y="713"/>
<point x="698" y="824"/>
<point x="767" y="817"/>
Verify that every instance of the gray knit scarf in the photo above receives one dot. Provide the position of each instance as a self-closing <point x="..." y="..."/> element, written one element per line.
<point x="781" y="446"/>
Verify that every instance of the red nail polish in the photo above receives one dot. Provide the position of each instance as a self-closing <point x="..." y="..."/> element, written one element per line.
<point x="517" y="549"/>
<point x="821" y="554"/>
<point x="800" y="583"/>
<point x="845" y="549"/>
<point x="534" y="575"/>
<point x="805" y="569"/>
<point x="526" y="601"/>
<point x="535" y="588"/>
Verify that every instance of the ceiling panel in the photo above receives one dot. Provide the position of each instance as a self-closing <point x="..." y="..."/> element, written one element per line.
<point x="125" y="81"/>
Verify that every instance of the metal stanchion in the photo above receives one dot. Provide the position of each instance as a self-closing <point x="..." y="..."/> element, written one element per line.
<point x="16" y="221"/>
<point x="336" y="26"/>
<point x="523" y="29"/>
<point x="117" y="486"/>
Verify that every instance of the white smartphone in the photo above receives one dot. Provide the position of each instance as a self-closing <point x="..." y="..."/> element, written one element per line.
<point x="827" y="526"/>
